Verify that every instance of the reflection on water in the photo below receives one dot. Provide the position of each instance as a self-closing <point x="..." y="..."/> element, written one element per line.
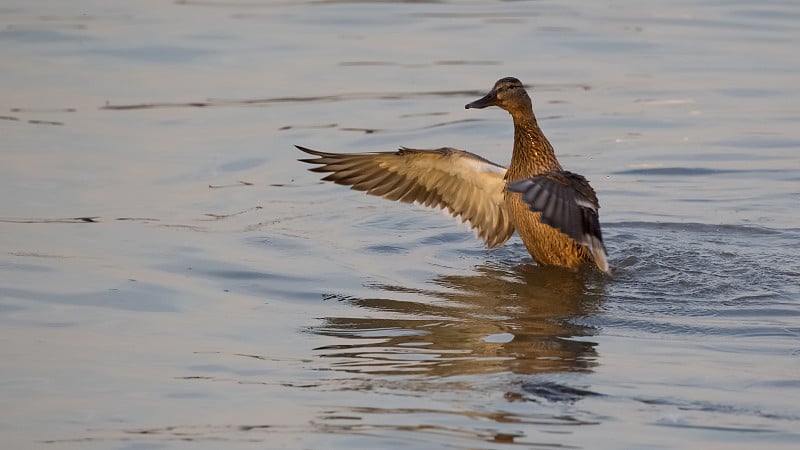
<point x="517" y="320"/>
<point x="419" y="348"/>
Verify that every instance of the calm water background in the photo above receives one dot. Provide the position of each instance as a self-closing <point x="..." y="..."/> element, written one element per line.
<point x="223" y="298"/>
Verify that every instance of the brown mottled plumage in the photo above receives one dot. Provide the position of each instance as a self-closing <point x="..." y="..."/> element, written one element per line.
<point x="554" y="211"/>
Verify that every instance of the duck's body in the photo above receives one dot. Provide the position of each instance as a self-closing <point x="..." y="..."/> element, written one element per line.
<point x="554" y="211"/>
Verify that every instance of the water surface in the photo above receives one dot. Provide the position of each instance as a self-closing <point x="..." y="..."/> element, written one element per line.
<point x="171" y="276"/>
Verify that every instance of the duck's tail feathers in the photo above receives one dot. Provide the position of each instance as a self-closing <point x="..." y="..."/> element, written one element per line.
<point x="598" y="252"/>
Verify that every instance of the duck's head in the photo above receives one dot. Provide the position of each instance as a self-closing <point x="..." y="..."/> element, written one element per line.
<point x="508" y="93"/>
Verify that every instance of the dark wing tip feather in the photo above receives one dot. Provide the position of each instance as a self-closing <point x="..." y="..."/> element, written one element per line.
<point x="310" y="151"/>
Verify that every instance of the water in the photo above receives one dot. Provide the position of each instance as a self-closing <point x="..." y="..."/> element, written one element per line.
<point x="171" y="276"/>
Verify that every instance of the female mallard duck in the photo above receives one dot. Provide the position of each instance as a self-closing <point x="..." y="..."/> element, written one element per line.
<point x="554" y="211"/>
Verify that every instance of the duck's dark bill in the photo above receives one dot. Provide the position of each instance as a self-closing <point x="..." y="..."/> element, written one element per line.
<point x="489" y="100"/>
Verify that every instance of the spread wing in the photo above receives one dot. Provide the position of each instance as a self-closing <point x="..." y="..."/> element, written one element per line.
<point x="568" y="203"/>
<point x="464" y="184"/>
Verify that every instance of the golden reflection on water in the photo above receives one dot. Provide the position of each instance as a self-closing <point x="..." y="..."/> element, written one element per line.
<point x="517" y="320"/>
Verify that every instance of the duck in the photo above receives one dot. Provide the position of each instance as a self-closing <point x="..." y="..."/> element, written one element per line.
<point x="554" y="211"/>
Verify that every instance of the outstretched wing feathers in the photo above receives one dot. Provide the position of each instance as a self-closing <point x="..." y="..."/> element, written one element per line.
<point x="464" y="184"/>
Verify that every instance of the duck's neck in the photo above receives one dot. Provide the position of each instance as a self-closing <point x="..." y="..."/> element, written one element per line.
<point x="533" y="153"/>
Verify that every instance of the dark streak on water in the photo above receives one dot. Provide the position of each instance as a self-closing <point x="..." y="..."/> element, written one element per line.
<point x="330" y="98"/>
<point x="692" y="171"/>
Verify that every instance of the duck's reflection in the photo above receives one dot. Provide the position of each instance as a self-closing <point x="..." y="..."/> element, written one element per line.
<point x="523" y="320"/>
